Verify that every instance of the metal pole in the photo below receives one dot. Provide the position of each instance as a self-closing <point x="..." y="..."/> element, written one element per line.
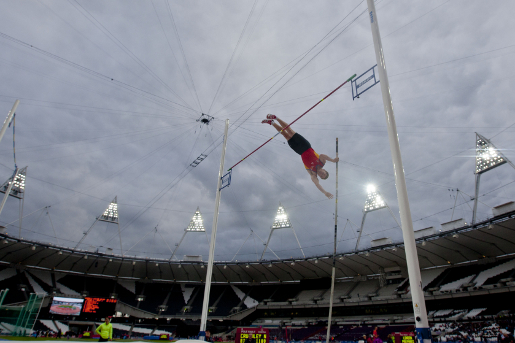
<point x="298" y="241"/>
<point x="361" y="230"/>
<point x="8" y="119"/>
<point x="8" y="191"/>
<point x="267" y="242"/>
<point x="209" y="273"/>
<point x="417" y="294"/>
<point x="333" y="274"/>
<point x="474" y="211"/>
<point x="177" y="247"/>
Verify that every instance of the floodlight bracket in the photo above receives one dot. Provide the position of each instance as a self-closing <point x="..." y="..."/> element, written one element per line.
<point x="357" y="87"/>
<point x="197" y="161"/>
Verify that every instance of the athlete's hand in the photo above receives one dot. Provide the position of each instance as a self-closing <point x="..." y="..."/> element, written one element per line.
<point x="336" y="159"/>
<point x="328" y="195"/>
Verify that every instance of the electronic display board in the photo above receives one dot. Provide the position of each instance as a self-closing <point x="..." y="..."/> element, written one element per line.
<point x="259" y="335"/>
<point x="66" y="306"/>
<point x="99" y="306"/>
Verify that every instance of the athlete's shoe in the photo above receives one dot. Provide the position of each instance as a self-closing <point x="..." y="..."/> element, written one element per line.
<point x="267" y="121"/>
<point x="271" y="116"/>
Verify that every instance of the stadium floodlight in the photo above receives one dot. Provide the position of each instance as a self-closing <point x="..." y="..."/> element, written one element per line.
<point x="15" y="187"/>
<point x="488" y="157"/>
<point x="374" y="200"/>
<point x="111" y="213"/>
<point x="196" y="225"/>
<point x="281" y="221"/>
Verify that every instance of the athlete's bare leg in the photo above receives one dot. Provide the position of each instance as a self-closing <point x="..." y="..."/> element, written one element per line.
<point x="285" y="133"/>
<point x="283" y="125"/>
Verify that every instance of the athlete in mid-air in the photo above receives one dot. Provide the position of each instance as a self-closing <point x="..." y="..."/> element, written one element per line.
<point x="313" y="162"/>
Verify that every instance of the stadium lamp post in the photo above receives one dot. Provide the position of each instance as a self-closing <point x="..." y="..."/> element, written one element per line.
<point x="417" y="294"/>
<point x="8" y="119"/>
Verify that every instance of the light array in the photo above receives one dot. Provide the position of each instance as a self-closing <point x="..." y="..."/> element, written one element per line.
<point x="111" y="213"/>
<point x="374" y="200"/>
<point x="281" y="219"/>
<point x="487" y="156"/>
<point x="196" y="223"/>
<point x="19" y="183"/>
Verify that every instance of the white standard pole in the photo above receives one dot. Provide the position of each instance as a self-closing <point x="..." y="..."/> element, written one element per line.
<point x="333" y="273"/>
<point x="209" y="272"/>
<point x="417" y="294"/>
<point x="8" y="119"/>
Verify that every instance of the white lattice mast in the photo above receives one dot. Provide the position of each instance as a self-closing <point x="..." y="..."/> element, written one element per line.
<point x="488" y="157"/>
<point x="281" y="222"/>
<point x="110" y="215"/>
<point x="196" y="225"/>
<point x="15" y="189"/>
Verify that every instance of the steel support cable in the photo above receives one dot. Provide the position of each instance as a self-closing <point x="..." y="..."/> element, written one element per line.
<point x="247" y="40"/>
<point x="383" y="37"/>
<point x="185" y="114"/>
<point x="171" y="50"/>
<point x="123" y="47"/>
<point x="300" y="69"/>
<point x="91" y="72"/>
<point x="92" y="108"/>
<point x="183" y="54"/>
<point x="100" y="139"/>
<point x="298" y="59"/>
<point x="99" y="47"/>
<point x="233" y="53"/>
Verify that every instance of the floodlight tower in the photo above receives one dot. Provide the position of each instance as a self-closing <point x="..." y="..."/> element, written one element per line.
<point x="281" y="222"/>
<point x="110" y="215"/>
<point x="374" y="202"/>
<point x="415" y="280"/>
<point x="488" y="157"/>
<point x="15" y="189"/>
<point x="196" y="225"/>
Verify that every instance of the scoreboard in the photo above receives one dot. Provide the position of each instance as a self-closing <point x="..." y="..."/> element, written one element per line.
<point x="259" y="335"/>
<point x="99" y="306"/>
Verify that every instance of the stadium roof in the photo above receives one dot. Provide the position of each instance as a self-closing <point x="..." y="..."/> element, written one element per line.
<point x="456" y="243"/>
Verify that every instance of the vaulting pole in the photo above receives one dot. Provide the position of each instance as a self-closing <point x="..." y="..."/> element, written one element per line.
<point x="417" y="294"/>
<point x="209" y="273"/>
<point x="333" y="275"/>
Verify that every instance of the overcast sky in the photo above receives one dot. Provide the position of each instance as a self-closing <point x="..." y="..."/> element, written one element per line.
<point x="110" y="93"/>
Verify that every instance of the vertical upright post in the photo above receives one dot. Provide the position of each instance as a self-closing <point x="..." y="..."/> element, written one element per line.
<point x="476" y="196"/>
<point x="209" y="272"/>
<point x="417" y="294"/>
<point x="8" y="119"/>
<point x="333" y="274"/>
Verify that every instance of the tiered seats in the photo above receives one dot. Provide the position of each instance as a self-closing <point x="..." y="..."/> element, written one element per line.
<point x="491" y="272"/>
<point x="474" y="313"/>
<point x="49" y="324"/>
<point x="60" y="325"/>
<point x="306" y="297"/>
<point x="363" y="289"/>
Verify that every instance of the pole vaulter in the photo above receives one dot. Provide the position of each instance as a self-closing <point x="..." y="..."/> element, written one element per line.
<point x="287" y="126"/>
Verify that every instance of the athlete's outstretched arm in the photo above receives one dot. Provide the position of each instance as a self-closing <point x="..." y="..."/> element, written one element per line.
<point x="317" y="183"/>
<point x="325" y="158"/>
